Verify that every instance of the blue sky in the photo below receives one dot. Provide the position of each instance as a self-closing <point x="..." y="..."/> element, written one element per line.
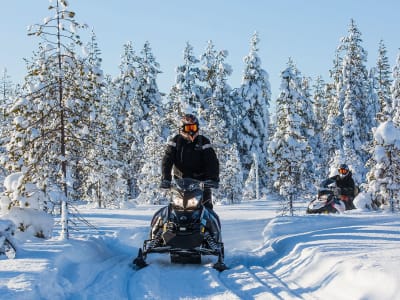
<point x="306" y="30"/>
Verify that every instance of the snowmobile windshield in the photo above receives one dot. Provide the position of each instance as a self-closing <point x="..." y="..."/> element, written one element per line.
<point x="187" y="184"/>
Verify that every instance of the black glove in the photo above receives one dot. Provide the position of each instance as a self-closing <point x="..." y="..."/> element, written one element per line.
<point x="165" y="184"/>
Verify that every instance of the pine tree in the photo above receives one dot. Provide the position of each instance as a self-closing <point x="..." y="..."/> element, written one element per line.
<point x="251" y="185"/>
<point x="332" y="135"/>
<point x="321" y="118"/>
<point x="185" y="94"/>
<point x="147" y="129"/>
<point x="207" y="75"/>
<point x="214" y="73"/>
<point x="395" y="91"/>
<point x="252" y="113"/>
<point x="230" y="185"/>
<point x="289" y="151"/>
<point x="106" y="185"/>
<point x="383" y="179"/>
<point x="126" y="84"/>
<point x="383" y="83"/>
<point x="52" y="119"/>
<point x="232" y="175"/>
<point x="357" y="109"/>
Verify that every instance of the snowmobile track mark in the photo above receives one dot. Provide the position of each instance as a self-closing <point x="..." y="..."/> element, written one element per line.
<point x="255" y="282"/>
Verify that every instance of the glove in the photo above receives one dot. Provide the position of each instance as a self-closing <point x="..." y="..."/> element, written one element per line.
<point x="165" y="184"/>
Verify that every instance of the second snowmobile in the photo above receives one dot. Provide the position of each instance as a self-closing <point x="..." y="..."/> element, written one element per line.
<point x="327" y="200"/>
<point x="185" y="228"/>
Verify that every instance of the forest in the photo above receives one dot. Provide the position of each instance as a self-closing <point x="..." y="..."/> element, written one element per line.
<point x="71" y="133"/>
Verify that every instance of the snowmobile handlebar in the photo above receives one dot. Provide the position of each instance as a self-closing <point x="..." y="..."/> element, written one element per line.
<point x="190" y="184"/>
<point x="209" y="184"/>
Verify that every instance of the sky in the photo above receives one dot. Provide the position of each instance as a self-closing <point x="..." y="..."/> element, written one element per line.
<point x="354" y="255"/>
<point x="308" y="31"/>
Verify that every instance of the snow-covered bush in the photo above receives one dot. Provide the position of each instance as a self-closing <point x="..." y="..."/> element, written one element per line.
<point x="34" y="222"/>
<point x="21" y="203"/>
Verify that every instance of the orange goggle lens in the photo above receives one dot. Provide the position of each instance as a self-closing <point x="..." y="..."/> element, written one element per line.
<point x="343" y="171"/>
<point x="190" y="127"/>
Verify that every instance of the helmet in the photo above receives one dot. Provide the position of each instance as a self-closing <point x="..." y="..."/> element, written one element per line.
<point x="189" y="127"/>
<point x="343" y="170"/>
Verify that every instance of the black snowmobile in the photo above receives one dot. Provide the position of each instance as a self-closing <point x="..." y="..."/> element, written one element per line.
<point x="328" y="200"/>
<point x="185" y="228"/>
<point x="7" y="247"/>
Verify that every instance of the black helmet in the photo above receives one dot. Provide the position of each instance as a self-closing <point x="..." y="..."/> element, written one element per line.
<point x="343" y="170"/>
<point x="189" y="126"/>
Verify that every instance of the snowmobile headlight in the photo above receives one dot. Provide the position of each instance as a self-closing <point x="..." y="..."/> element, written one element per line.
<point x="192" y="202"/>
<point x="177" y="201"/>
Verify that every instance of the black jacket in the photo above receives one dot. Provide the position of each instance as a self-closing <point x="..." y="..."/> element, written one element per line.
<point x="195" y="159"/>
<point x="346" y="184"/>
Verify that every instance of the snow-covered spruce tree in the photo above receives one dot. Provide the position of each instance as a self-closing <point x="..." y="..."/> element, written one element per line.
<point x="332" y="136"/>
<point x="251" y="190"/>
<point x="147" y="127"/>
<point x="52" y="120"/>
<point x="252" y="115"/>
<point x="106" y="185"/>
<point x="150" y="173"/>
<point x="383" y="179"/>
<point x="185" y="95"/>
<point x="306" y="111"/>
<point x="395" y="91"/>
<point x="383" y="183"/>
<point x="289" y="151"/>
<point x="383" y="83"/>
<point x="207" y="76"/>
<point x="220" y="133"/>
<point x="125" y="85"/>
<point x="321" y="118"/>
<point x="233" y="177"/>
<point x="373" y="98"/>
<point x="92" y="79"/>
<point x="102" y="182"/>
<point x="358" y="114"/>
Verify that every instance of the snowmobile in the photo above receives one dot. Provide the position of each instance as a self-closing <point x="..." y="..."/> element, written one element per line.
<point x="328" y="200"/>
<point x="185" y="228"/>
<point x="7" y="246"/>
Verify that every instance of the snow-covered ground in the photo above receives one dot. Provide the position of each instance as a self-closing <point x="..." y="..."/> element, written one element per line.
<point x="355" y="255"/>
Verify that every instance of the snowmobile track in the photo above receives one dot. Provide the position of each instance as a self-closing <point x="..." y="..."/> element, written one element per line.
<point x="255" y="282"/>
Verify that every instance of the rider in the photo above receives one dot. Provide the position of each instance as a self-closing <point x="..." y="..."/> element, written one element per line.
<point x="190" y="155"/>
<point x="344" y="181"/>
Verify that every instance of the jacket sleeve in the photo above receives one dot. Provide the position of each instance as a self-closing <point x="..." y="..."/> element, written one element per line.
<point x="211" y="160"/>
<point x="327" y="182"/>
<point x="168" y="160"/>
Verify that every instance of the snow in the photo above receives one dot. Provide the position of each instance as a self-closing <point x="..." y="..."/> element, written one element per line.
<point x="354" y="255"/>
<point x="387" y="133"/>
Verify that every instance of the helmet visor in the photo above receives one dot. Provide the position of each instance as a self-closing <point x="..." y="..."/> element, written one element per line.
<point x="343" y="171"/>
<point x="190" y="128"/>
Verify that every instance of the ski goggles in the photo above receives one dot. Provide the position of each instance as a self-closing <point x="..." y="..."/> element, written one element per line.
<point x="190" y="128"/>
<point x="343" y="171"/>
